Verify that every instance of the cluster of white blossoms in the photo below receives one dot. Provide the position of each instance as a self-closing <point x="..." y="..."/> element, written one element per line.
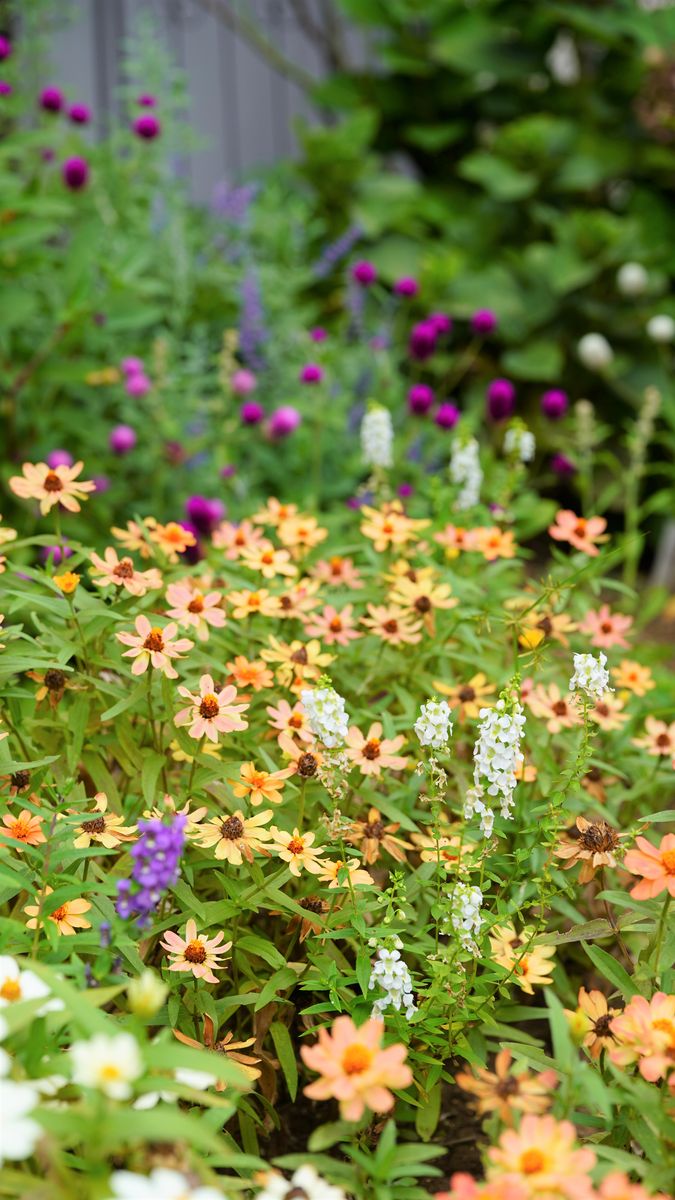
<point x="466" y="470"/>
<point x="590" y="675"/>
<point x="377" y="437"/>
<point x="474" y="803"/>
<point x="433" y="726"/>
<point x="496" y="754"/>
<point x="391" y="974"/>
<point x="305" y="1183"/>
<point x="465" y="918"/>
<point x="520" y="443"/>
<point x="327" y="716"/>
<point x="19" y="1133"/>
<point x="108" y="1063"/>
<point x="160" y="1184"/>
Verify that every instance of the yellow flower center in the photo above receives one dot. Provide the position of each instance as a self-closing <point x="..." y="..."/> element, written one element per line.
<point x="356" y="1059"/>
<point x="20" y="830"/>
<point x="296" y="845"/>
<point x="10" y="990"/>
<point x="110" y="1072"/>
<point x="532" y="1161"/>
<point x="668" y="860"/>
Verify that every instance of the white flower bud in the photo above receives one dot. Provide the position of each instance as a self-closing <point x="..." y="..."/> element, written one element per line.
<point x="661" y="328"/>
<point x="632" y="279"/>
<point x="595" y="351"/>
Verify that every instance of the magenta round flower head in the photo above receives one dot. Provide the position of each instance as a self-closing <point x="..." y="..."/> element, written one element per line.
<point x="501" y="399"/>
<point x="75" y="172"/>
<point x="146" y="101"/>
<point x="122" y="439"/>
<point x="484" y="322"/>
<point x="404" y="490"/>
<point x="319" y="334"/>
<point x="554" y="404"/>
<point x="56" y="553"/>
<point x="447" y="415"/>
<point x="311" y="373"/>
<point x="251" y="412"/>
<point x="563" y="466"/>
<point x="441" y="322"/>
<point x="51" y="99"/>
<point x="192" y="554"/>
<point x="420" y="398"/>
<point x="204" y="513"/>
<point x="59" y="458"/>
<point x="5" y="48"/>
<point x="133" y="366"/>
<point x="422" y="341"/>
<point x="79" y="114"/>
<point x="284" y="421"/>
<point x="228" y="471"/>
<point x="5" y="88"/>
<point x="243" y="382"/>
<point x="137" y="385"/>
<point x="147" y="126"/>
<point x="364" y="272"/>
<point x="101" y="483"/>
<point x="47" y="155"/>
<point x="407" y="286"/>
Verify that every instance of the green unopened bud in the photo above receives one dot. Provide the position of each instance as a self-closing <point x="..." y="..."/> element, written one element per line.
<point x="146" y="994"/>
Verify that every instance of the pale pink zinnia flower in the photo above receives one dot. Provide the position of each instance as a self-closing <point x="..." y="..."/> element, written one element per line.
<point x="542" y="1154"/>
<point x="113" y="571"/>
<point x="153" y="646"/>
<point x="354" y="1069"/>
<point x="195" y="952"/>
<point x="194" y="609"/>
<point x="211" y="712"/>
<point x="333" y="627"/>
<point x="606" y="628"/>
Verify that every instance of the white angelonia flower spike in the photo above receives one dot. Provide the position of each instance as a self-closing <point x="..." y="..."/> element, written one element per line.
<point x="465" y="469"/>
<point x="327" y="716"/>
<point x="433" y="726"/>
<point x="590" y="675"/>
<point x="377" y="437"/>
<point x="391" y="974"/>
<point x="465" y="918"/>
<point x="520" y="443"/>
<point x="496" y="755"/>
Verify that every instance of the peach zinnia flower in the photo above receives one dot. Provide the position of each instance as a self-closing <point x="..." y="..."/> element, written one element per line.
<point x="607" y="712"/>
<point x="522" y="957"/>
<point x="645" y="1031"/>
<point x="250" y="673"/>
<point x="298" y="661"/>
<point x="354" y="1069"/>
<point x="633" y="677"/>
<point x="268" y="561"/>
<point x="195" y="952"/>
<point x="340" y="874"/>
<point x="658" y="739"/>
<point x="373" y="752"/>
<point x="372" y="835"/>
<point x="113" y="571"/>
<point x="493" y="542"/>
<point x="291" y="721"/>
<point x="211" y="712"/>
<point x="392" y="624"/>
<point x="260" y="785"/>
<point x="505" y="1092"/>
<point x="556" y="708"/>
<point x="246" y="604"/>
<point x="235" y="539"/>
<point x="134" y="537"/>
<point x="578" y="531"/>
<point x="594" y="1019"/>
<point x="194" y="609"/>
<point x="52" y="486"/>
<point x="333" y="627"/>
<point x="606" y="628"/>
<point x="26" y="828"/>
<point x="101" y="826"/>
<point x="153" y="646"/>
<point x="544" y="1155"/>
<point x="68" y="917"/>
<point x="297" y="849"/>
<point x="656" y="864"/>
<point x="274" y="512"/>
<point x="389" y="526"/>
<point x="300" y="532"/>
<point x="173" y="539"/>
<point x="339" y="571"/>
<point x="299" y="600"/>
<point x="617" y="1186"/>
<point x="237" y="837"/>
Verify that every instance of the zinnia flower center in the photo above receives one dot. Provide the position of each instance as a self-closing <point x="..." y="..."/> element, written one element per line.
<point x="195" y="952"/>
<point x="374" y="829"/>
<point x="335" y="625"/>
<point x="602" y="709"/>
<point x="53" y="483"/>
<point x="423" y="604"/>
<point x="300" y="656"/>
<point x="312" y="904"/>
<point x="532" y="1161"/>
<point x="196" y="605"/>
<point x="21" y="779"/>
<point x="606" y="626"/>
<point x="336" y="565"/>
<point x="54" y="680"/>
<point x="10" y="990"/>
<point x="21" y="831"/>
<point x="296" y="720"/>
<point x="580" y="529"/>
<point x="356" y="1059"/>
<point x="506" y="1087"/>
<point x="209" y="706"/>
<point x="559" y="708"/>
<point x="232" y="828"/>
<point x="601" y="1027"/>
<point x="296" y="845"/>
<point x="546" y="625"/>
<point x="663" y="740"/>
<point x="668" y="860"/>
<point x="124" y="569"/>
<point x="599" y="836"/>
<point x="154" y="640"/>
<point x="96" y="825"/>
<point x="60" y="913"/>
<point x="390" y="626"/>
<point x="267" y="557"/>
<point x="307" y="765"/>
<point x="466" y="693"/>
<point x="371" y="749"/>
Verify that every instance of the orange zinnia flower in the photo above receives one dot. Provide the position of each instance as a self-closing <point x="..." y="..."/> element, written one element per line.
<point x="68" y="917"/>
<point x="260" y="785"/>
<point x="101" y="826"/>
<point x="505" y="1092"/>
<point x="173" y="539"/>
<point x="389" y="526"/>
<point x="354" y="1069"/>
<point x="245" y="604"/>
<point x="274" y="512"/>
<point x="235" y="539"/>
<point x="656" y="864"/>
<point x="543" y="1154"/>
<point x="578" y="531"/>
<point x="645" y="1033"/>
<point x="250" y="673"/>
<point x="633" y="677"/>
<point x="493" y="543"/>
<point x="522" y="957"/>
<point x="237" y="837"/>
<point x="268" y="561"/>
<point x="340" y="874"/>
<point x="26" y="828"/>
<point x="297" y="849"/>
<point x="302" y="533"/>
<point x="374" y="752"/>
<point x="52" y="486"/>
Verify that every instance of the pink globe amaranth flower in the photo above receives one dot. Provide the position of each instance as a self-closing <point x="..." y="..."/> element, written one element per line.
<point x="311" y="373"/>
<point x="147" y="126"/>
<point x="319" y="334"/>
<point x="5" y="48"/>
<point x="420" y="398"/>
<point x="204" y="513"/>
<point x="75" y="173"/>
<point x="407" y="286"/>
<point x="122" y="439"/>
<point x="56" y="553"/>
<point x="5" y="88"/>
<point x="133" y="366"/>
<point x="364" y="272"/>
<point x="554" y="404"/>
<point x="441" y="322"/>
<point x="251" y="412"/>
<point x="146" y="101"/>
<point x="501" y="399"/>
<point x="101" y="483"/>
<point x="243" y="382"/>
<point x="423" y="340"/>
<point x="228" y="471"/>
<point x="484" y="322"/>
<point x="284" y="421"/>
<point x="59" y="458"/>
<point x="137" y="385"/>
<point x="79" y="114"/>
<point x="447" y="415"/>
<point x="563" y="466"/>
<point x="51" y="99"/>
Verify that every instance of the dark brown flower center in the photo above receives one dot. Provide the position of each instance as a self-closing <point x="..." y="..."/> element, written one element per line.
<point x="599" y="837"/>
<point x="423" y="604"/>
<point x="124" y="569"/>
<point x="209" y="707"/>
<point x="196" y="605"/>
<point x="601" y="1027"/>
<point x="594" y="774"/>
<point x="312" y="904"/>
<point x="663" y="740"/>
<point x="335" y="625"/>
<point x="307" y="765"/>
<point x="286" y="602"/>
<point x="300" y="656"/>
<point x="602" y="709"/>
<point x="20" y="780"/>
<point x="154" y="640"/>
<point x="371" y="750"/>
<point x="606" y="626"/>
<point x="195" y="952"/>
<point x="96" y="825"/>
<point x="559" y="708"/>
<point x="506" y="1087"/>
<point x="52" y="482"/>
<point x="374" y="829"/>
<point x="390" y="626"/>
<point x="546" y="625"/>
<point x="466" y="693"/>
<point x="232" y="828"/>
<point x="54" y="680"/>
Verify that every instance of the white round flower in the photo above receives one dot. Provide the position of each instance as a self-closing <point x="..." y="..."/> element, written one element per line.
<point x="160" y="1184"/>
<point x="19" y="1133"/>
<point x="632" y="279"/>
<point x="562" y="60"/>
<point x="465" y="918"/>
<point x="433" y="726"/>
<point x="590" y="675"/>
<point x="108" y="1063"/>
<point x="377" y="437"/>
<point x="595" y="351"/>
<point x="17" y="985"/>
<point x="661" y="328"/>
<point x="327" y="716"/>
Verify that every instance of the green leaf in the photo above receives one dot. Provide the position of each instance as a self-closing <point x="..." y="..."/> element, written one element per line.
<point x="426" y="1117"/>
<point x="286" y="1055"/>
<point x="611" y="969"/>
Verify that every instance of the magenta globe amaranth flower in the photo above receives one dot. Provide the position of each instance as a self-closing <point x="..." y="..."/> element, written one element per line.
<point x="5" y="88"/>
<point x="228" y="471"/>
<point x="447" y="415"/>
<point x="501" y="399"/>
<point x="319" y="334"/>
<point x="75" y="173"/>
<point x="423" y="340"/>
<point x="5" y="48"/>
<point x="420" y="398"/>
<point x="407" y="287"/>
<point x="364" y="272"/>
<point x="404" y="490"/>
<point x="563" y="466"/>
<point x="311" y="373"/>
<point x="137" y="385"/>
<point x="59" y="458"/>
<point x="122" y="439"/>
<point x="484" y="322"/>
<point x="147" y="126"/>
<point x="441" y="322"/>
<point x="56" y="553"/>
<point x="79" y="114"/>
<point x="51" y="99"/>
<point x="554" y="404"/>
<point x="133" y="366"/>
<point x="251" y="412"/>
<point x="204" y="513"/>
<point x="146" y="100"/>
<point x="243" y="382"/>
<point x="101" y="483"/>
<point x="284" y="421"/>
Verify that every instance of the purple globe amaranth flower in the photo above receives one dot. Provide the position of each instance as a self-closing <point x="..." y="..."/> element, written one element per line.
<point x="47" y="155"/>
<point x="122" y="439"/>
<point x="243" y="382"/>
<point x="319" y="334"/>
<point x="5" y="88"/>
<point x="228" y="471"/>
<point x="137" y="384"/>
<point x="156" y="859"/>
<point x="311" y="373"/>
<point x="251" y="412"/>
<point x="407" y="286"/>
<point x="554" y="404"/>
<point x="5" y="48"/>
<point x="79" y="114"/>
<point x="101" y="483"/>
<point x="147" y="126"/>
<point x="447" y="415"/>
<point x="404" y="490"/>
<point x="133" y="366"/>
<point x="484" y="322"/>
<point x="59" y="458"/>
<point x="75" y="173"/>
<point x="501" y="399"/>
<point x="563" y="466"/>
<point x="284" y="421"/>
<point x="423" y="340"/>
<point x="420" y="398"/>
<point x="364" y="272"/>
<point x="204" y="513"/>
<point x="51" y="99"/>
<point x="56" y="553"/>
<point x="441" y="322"/>
<point x="146" y="100"/>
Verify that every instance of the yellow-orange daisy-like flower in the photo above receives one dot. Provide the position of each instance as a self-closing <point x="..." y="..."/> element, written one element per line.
<point x="246" y="604"/>
<point x="421" y="598"/>
<point x="25" y="828"/>
<point x="225" y="1044"/>
<point x="153" y="646"/>
<point x="67" y="582"/>
<point x="196" y="610"/>
<point x="297" y="849"/>
<point x="633" y="677"/>
<point x="68" y="917"/>
<point x="371" y="753"/>
<point x="656" y="864"/>
<point x="173" y="539"/>
<point x="455" y="539"/>
<point x="260" y="785"/>
<point x="167" y="806"/>
<point x="210" y="711"/>
<point x="299" y="600"/>
<point x="113" y="571"/>
<point x="542" y="1154"/>
<point x="274" y="512"/>
<point x="493" y="542"/>
<point x="250" y="673"/>
<point x="268" y="561"/>
<point x="392" y="624"/>
<point x="527" y="962"/>
<point x="50" y="486"/>
<point x="468" y="698"/>
<point x="593" y="1018"/>
<point x="546" y="622"/>
<point x="237" y="837"/>
<point x="447" y="850"/>
<point x="106" y="828"/>
<point x="134" y="537"/>
<point x="340" y="874"/>
<point x="299" y="662"/>
<point x="389" y="526"/>
<point x="195" y="952"/>
<point x="354" y="1069"/>
<point x="506" y="1092"/>
<point x="301" y="533"/>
